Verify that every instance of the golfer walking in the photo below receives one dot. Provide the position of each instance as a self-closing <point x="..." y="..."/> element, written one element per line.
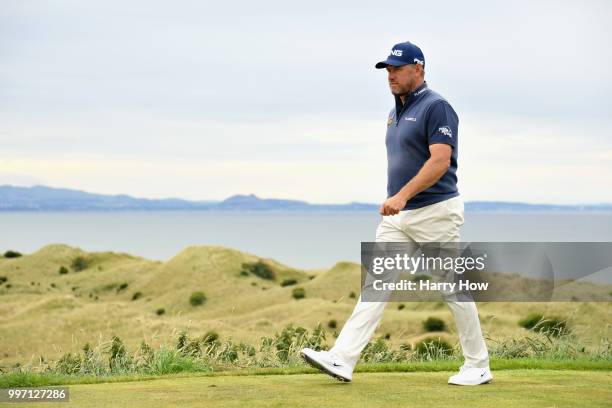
<point x="422" y="205"/>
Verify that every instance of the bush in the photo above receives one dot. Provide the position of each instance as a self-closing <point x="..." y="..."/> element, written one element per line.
<point x="63" y="270"/>
<point x="401" y="306"/>
<point x="119" y="360"/>
<point x="421" y="277"/>
<point x="79" y="263"/>
<point x="136" y="295"/>
<point x="298" y="293"/>
<point x="210" y="337"/>
<point x="352" y="295"/>
<point x="121" y="287"/>
<point x="69" y="364"/>
<point x="292" y="339"/>
<point x="259" y="269"/>
<point x="288" y="282"/>
<point x="434" y="324"/>
<point x="332" y="324"/>
<point x="160" y="311"/>
<point x="3" y="279"/>
<point x="433" y="347"/>
<point x="197" y="298"/>
<point x="537" y="322"/>
<point x="12" y="254"/>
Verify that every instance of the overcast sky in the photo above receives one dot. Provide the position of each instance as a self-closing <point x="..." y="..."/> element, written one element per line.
<point x="203" y="100"/>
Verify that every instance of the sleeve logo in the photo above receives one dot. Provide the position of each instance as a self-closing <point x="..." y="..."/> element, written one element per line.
<point x="446" y="131"/>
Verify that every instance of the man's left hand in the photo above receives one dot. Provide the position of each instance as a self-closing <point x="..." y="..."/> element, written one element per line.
<point x="393" y="205"/>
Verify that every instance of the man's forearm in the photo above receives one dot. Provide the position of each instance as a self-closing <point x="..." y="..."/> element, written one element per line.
<point x="427" y="176"/>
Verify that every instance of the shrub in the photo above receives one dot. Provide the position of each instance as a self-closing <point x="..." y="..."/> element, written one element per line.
<point x="537" y="322"/>
<point x="119" y="359"/>
<point x="288" y="282"/>
<point x="69" y="364"/>
<point x="292" y="339"/>
<point x="332" y="324"/>
<point x="378" y="351"/>
<point x="79" y="263"/>
<point x="63" y="270"/>
<point x="210" y="337"/>
<point x="421" y="277"/>
<point x="244" y="273"/>
<point x="405" y="347"/>
<point x="197" y="298"/>
<point x="434" y="324"/>
<point x="528" y="322"/>
<point x="259" y="269"/>
<point x="121" y="287"/>
<point x="136" y="295"/>
<point x="352" y="295"/>
<point x="3" y="279"/>
<point x="433" y="347"/>
<point x="401" y="306"/>
<point x="298" y="293"/>
<point x="12" y="254"/>
<point x="182" y="340"/>
<point x="160" y="311"/>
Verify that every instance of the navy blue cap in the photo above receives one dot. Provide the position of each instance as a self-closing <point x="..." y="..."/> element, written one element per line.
<point x="403" y="54"/>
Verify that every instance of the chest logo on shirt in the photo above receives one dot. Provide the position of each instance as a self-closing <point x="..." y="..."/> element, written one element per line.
<point x="410" y="119"/>
<point x="446" y="131"/>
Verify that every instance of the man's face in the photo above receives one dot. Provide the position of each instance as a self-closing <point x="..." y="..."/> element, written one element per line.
<point x="403" y="79"/>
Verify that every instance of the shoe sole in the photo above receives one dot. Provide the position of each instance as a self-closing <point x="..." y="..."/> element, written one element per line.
<point x="316" y="365"/>
<point x="468" y="385"/>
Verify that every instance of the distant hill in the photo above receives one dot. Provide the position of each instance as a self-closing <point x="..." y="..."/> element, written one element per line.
<point x="42" y="198"/>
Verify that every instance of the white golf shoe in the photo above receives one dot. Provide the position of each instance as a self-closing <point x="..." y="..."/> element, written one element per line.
<point x="471" y="376"/>
<point x="329" y="363"/>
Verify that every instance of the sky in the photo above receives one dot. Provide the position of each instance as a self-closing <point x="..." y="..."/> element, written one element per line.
<point x="203" y="100"/>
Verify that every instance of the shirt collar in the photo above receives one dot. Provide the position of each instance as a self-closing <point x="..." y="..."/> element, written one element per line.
<point x="399" y="106"/>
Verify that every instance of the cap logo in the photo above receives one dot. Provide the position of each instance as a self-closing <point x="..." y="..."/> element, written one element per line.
<point x="418" y="61"/>
<point x="397" y="53"/>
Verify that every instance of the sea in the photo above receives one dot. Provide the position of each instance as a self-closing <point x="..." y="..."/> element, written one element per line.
<point x="305" y="240"/>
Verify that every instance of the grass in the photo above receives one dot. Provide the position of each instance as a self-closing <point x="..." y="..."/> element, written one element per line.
<point x="28" y="379"/>
<point x="509" y="389"/>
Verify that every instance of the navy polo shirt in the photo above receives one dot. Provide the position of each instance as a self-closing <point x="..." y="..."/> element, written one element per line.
<point x="423" y="119"/>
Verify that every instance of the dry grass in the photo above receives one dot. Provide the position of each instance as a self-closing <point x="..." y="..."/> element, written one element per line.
<point x="41" y="320"/>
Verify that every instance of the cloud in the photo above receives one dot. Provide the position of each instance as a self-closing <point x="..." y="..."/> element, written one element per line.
<point x="290" y="92"/>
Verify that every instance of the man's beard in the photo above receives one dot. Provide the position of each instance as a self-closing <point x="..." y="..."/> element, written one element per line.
<point x="404" y="91"/>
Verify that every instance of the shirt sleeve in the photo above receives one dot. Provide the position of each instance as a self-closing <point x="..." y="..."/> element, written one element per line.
<point x="442" y="124"/>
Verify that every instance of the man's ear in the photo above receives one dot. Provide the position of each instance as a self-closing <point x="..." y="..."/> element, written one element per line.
<point x="421" y="70"/>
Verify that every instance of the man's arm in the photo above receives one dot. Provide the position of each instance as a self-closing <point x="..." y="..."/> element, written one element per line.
<point x="434" y="168"/>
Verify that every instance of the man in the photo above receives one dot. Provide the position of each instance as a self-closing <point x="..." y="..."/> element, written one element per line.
<point x="422" y="205"/>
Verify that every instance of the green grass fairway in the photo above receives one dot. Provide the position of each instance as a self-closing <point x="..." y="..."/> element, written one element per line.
<point x="510" y="388"/>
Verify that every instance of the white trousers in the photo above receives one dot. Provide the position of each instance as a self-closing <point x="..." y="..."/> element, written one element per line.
<point x="438" y="222"/>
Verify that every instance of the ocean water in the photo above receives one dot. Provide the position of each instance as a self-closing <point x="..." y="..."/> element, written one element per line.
<point x="303" y="240"/>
